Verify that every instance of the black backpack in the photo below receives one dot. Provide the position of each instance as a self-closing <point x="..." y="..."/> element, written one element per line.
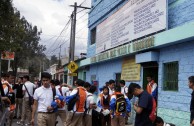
<point x="120" y="103"/>
<point x="72" y="102"/>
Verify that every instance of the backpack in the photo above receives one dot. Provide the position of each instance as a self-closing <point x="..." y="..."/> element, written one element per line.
<point x="61" y="99"/>
<point x="120" y="103"/>
<point x="72" y="101"/>
<point x="80" y="104"/>
<point x="152" y="115"/>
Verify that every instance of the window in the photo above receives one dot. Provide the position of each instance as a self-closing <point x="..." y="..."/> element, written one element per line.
<point x="93" y="36"/>
<point x="170" y="82"/>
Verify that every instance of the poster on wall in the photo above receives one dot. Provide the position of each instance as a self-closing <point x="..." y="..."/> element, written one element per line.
<point x="130" y="70"/>
<point x="135" y="19"/>
<point x="6" y="55"/>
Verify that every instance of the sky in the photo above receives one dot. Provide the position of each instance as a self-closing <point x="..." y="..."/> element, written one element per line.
<point x="51" y="16"/>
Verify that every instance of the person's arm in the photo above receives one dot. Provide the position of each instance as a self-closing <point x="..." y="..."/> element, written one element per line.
<point x="128" y="107"/>
<point x="34" y="107"/>
<point x="70" y="87"/>
<point x="138" y="109"/>
<point x="112" y="103"/>
<point x="23" y="90"/>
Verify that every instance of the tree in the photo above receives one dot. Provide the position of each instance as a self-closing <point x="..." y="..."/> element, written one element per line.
<point x="54" y="60"/>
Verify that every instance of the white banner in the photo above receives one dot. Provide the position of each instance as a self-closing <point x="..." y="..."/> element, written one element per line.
<point x="135" y="19"/>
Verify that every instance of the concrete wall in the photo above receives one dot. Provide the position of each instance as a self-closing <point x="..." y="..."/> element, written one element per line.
<point x="174" y="106"/>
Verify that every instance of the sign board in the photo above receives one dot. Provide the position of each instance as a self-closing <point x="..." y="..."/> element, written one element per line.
<point x="6" y="55"/>
<point x="137" y="18"/>
<point x="72" y="74"/>
<point x="130" y="70"/>
<point x="72" y="66"/>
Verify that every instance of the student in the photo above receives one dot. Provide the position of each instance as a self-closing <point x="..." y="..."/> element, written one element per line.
<point x="87" y="86"/>
<point x="75" y="116"/>
<point x="111" y="85"/>
<point x="191" y="86"/>
<point x="90" y="104"/>
<point x="19" y="97"/>
<point x="160" y="122"/>
<point x="144" y="106"/>
<point x="43" y="97"/>
<point x="119" y="107"/>
<point x="103" y="102"/>
<point x="152" y="87"/>
<point x="28" y="89"/>
<point x="61" y="91"/>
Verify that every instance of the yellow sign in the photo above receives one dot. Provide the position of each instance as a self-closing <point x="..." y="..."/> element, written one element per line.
<point x="72" y="66"/>
<point x="130" y="70"/>
<point x="72" y="74"/>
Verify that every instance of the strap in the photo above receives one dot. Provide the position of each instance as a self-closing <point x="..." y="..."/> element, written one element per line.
<point x="27" y="90"/>
<point x="54" y="93"/>
<point x="60" y="90"/>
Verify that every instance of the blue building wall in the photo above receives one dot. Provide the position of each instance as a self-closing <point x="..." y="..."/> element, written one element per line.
<point x="174" y="106"/>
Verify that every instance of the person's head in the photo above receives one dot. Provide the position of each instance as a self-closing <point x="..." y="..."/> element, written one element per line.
<point x="191" y="82"/>
<point x="11" y="77"/>
<point x="45" y="77"/>
<point x="92" y="89"/>
<point x="26" y="78"/>
<point x="20" y="80"/>
<point x="4" y="76"/>
<point x="105" y="90"/>
<point x="159" y="121"/>
<point x="135" y="89"/>
<point x="79" y="82"/>
<point x="149" y="78"/>
<point x="106" y="84"/>
<point x="122" y="83"/>
<point x="111" y="84"/>
<point x="117" y="88"/>
<point x="57" y="82"/>
<point x="52" y="82"/>
<point x="87" y="86"/>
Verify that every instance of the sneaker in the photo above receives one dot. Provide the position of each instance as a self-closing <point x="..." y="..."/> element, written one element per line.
<point x="20" y="123"/>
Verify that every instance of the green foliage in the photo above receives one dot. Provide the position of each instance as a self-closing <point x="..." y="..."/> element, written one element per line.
<point x="19" y="36"/>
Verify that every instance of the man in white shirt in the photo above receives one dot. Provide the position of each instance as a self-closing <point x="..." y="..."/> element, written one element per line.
<point x="43" y="97"/>
<point x="111" y="87"/>
<point x="28" y="89"/>
<point x="60" y="90"/>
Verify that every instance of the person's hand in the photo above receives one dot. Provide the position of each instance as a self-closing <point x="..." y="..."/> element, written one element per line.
<point x="50" y="108"/>
<point x="192" y="122"/>
<point x="32" y="122"/>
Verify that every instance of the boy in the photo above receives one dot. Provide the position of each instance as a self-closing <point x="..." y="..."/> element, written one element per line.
<point x="119" y="105"/>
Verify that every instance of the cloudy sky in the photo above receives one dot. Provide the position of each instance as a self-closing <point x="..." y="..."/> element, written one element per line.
<point x="52" y="16"/>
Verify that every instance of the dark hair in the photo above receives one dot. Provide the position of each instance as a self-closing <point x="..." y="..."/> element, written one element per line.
<point x="191" y="79"/>
<point x="92" y="89"/>
<point x="21" y="78"/>
<point x="122" y="82"/>
<point x="132" y="87"/>
<point x="80" y="82"/>
<point x="107" y="83"/>
<point x="5" y="75"/>
<point x="105" y="87"/>
<point x="117" y="88"/>
<point x="45" y="75"/>
<point x="150" y="76"/>
<point x="87" y="85"/>
<point x="52" y="81"/>
<point x="26" y="77"/>
<point x="111" y="81"/>
<point x="57" y="82"/>
<point x="159" y="120"/>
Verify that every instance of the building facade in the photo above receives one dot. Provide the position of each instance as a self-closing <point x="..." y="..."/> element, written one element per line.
<point x="166" y="54"/>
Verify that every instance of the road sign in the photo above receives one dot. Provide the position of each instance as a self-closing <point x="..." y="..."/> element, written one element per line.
<point x="72" y="66"/>
<point x="72" y="74"/>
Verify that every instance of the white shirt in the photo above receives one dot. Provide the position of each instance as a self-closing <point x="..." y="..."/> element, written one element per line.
<point x="30" y="87"/>
<point x="64" y="90"/>
<point x="110" y="91"/>
<point x="6" y="88"/>
<point x="44" y="96"/>
<point x="124" y="90"/>
<point x="89" y="100"/>
<point x="166" y="124"/>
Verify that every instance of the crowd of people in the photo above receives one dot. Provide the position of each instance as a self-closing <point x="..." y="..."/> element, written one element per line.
<point x="76" y="106"/>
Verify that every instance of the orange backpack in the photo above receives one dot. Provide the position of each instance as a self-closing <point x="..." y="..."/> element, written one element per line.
<point x="11" y="95"/>
<point x="80" y="104"/>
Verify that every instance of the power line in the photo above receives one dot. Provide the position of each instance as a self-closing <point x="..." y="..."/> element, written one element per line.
<point x="82" y="2"/>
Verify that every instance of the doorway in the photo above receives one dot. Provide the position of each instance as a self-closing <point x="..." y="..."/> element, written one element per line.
<point x="150" y="68"/>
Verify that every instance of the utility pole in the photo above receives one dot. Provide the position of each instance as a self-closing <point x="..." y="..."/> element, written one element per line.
<point x="72" y="37"/>
<point x="59" y="57"/>
<point x="0" y="65"/>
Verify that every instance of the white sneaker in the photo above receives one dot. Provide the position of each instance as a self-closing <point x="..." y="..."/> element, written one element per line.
<point x="20" y="123"/>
